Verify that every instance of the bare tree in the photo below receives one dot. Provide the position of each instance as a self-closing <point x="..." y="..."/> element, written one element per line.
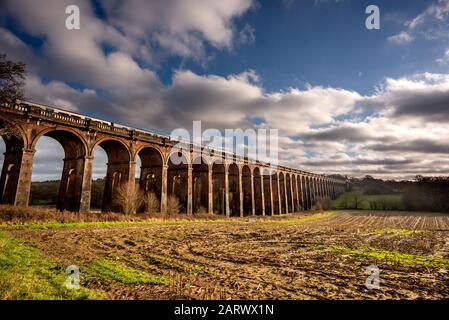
<point x="128" y="199"/>
<point x="12" y="76"/>
<point x="12" y="80"/>
<point x="152" y="204"/>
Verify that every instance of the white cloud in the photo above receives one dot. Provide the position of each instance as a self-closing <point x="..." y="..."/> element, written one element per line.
<point x="444" y="60"/>
<point x="402" y="37"/>
<point x="438" y="11"/>
<point x="181" y="27"/>
<point x="431" y="24"/>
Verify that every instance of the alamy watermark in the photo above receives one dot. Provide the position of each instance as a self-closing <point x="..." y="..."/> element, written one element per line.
<point x="72" y="21"/>
<point x="372" y="22"/>
<point x="373" y="279"/>
<point x="72" y="282"/>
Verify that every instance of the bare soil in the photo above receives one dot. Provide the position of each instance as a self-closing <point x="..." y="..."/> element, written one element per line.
<point x="251" y="259"/>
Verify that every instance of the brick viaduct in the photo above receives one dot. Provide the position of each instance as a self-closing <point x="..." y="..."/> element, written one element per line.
<point x="234" y="186"/>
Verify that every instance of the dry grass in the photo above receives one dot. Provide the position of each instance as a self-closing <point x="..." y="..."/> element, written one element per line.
<point x="152" y="204"/>
<point x="128" y="199"/>
<point x="18" y="215"/>
<point x="173" y="205"/>
<point x="43" y="215"/>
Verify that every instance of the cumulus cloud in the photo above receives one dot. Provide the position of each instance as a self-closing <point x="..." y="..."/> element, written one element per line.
<point x="423" y="95"/>
<point x="181" y="27"/>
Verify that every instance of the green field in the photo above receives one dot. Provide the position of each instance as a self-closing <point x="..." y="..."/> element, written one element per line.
<point x="355" y="200"/>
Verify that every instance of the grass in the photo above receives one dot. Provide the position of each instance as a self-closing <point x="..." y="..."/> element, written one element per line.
<point x="395" y="256"/>
<point x="111" y="270"/>
<point x="59" y="225"/>
<point x="102" y="224"/>
<point x="397" y="231"/>
<point x="312" y="217"/>
<point x="368" y="202"/>
<point x="24" y="274"/>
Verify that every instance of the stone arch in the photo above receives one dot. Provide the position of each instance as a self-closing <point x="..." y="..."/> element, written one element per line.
<point x="8" y="129"/>
<point x="258" y="198"/>
<point x="276" y="195"/>
<point x="116" y="149"/>
<point x="200" y="184"/>
<point x="218" y="187"/>
<point x="308" y="188"/>
<point x="151" y="166"/>
<point x="74" y="168"/>
<point x="15" y="142"/>
<point x="300" y="192"/>
<point x="267" y="190"/>
<point x="246" y="187"/>
<point x="177" y="180"/>
<point x="119" y="173"/>
<point x="73" y="143"/>
<point x="313" y="191"/>
<point x="289" y="192"/>
<point x="178" y="157"/>
<point x="283" y="208"/>
<point x="295" y="189"/>
<point x="234" y="189"/>
<point x="154" y="147"/>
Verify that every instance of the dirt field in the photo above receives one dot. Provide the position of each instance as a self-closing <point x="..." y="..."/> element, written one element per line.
<point x="323" y="257"/>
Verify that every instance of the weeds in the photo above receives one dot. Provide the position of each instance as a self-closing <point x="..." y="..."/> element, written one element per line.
<point x="111" y="270"/>
<point x="395" y="256"/>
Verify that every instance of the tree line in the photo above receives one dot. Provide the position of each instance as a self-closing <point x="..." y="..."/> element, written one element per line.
<point x="420" y="194"/>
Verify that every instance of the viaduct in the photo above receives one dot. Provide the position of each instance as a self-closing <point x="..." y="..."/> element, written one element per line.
<point x="216" y="183"/>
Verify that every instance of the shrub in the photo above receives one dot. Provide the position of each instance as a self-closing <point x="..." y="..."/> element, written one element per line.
<point x="152" y="203"/>
<point x="127" y="199"/>
<point x="173" y="205"/>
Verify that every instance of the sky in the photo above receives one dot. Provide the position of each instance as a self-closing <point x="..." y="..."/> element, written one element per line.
<point x="344" y="98"/>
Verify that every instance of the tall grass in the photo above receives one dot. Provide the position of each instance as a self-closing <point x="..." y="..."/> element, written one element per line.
<point x="17" y="215"/>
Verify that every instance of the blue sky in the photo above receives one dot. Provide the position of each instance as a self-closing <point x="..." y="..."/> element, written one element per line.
<point x="345" y="99"/>
<point x="320" y="43"/>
